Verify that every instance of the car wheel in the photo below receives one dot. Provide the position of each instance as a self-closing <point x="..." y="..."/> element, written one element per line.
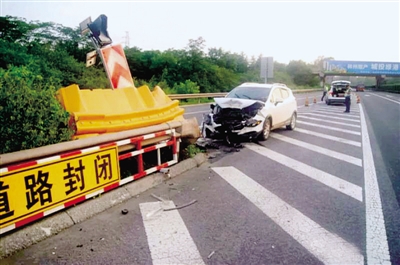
<point x="266" y="130"/>
<point x="292" y="124"/>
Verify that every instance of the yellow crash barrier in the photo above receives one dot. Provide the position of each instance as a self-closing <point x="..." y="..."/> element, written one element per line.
<point x="98" y="111"/>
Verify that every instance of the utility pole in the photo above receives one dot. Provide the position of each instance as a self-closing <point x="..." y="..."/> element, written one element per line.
<point x="127" y="39"/>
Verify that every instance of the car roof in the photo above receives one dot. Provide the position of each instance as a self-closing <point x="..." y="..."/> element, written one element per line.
<point x="250" y="84"/>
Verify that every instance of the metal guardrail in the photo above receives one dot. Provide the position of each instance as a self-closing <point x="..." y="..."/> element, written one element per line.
<point x="54" y="149"/>
<point x="198" y="95"/>
<point x="223" y="94"/>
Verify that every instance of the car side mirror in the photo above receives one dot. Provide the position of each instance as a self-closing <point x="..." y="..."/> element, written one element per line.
<point x="278" y="100"/>
<point x="212" y="106"/>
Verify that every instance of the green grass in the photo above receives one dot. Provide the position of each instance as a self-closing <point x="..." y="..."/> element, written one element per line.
<point x="189" y="151"/>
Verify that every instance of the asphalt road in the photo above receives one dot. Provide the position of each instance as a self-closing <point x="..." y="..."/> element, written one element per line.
<point x="326" y="192"/>
<point x="383" y="119"/>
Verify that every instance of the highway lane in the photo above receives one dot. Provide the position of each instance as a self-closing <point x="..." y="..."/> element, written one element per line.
<point x="382" y="112"/>
<point x="383" y="118"/>
<point x="301" y="197"/>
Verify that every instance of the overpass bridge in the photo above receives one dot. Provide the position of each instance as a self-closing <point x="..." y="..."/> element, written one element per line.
<point x="379" y="70"/>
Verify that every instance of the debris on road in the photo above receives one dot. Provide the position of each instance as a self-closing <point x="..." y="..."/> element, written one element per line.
<point x="207" y="143"/>
<point x="232" y="149"/>
<point x="182" y="206"/>
<point x="124" y="211"/>
<point x="163" y="201"/>
<point x="211" y="254"/>
<point x="157" y="197"/>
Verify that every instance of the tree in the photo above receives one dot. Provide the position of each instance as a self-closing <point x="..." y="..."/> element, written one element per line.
<point x="196" y="47"/>
<point x="301" y="73"/>
<point x="13" y="29"/>
<point x="30" y="114"/>
<point x="318" y="65"/>
<point x="188" y="87"/>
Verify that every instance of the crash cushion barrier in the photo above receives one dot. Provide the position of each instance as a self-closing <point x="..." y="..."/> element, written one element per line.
<point x="98" y="111"/>
<point x="37" y="188"/>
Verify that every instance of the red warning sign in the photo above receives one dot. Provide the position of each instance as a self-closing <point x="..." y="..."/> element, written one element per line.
<point x="117" y="66"/>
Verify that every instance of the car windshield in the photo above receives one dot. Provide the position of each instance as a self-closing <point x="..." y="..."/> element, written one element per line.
<point x="255" y="93"/>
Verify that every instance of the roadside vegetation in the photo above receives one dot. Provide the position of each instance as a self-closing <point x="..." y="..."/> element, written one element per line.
<point x="38" y="58"/>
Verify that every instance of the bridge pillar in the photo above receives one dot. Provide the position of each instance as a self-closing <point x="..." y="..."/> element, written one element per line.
<point x="322" y="79"/>
<point x="379" y="80"/>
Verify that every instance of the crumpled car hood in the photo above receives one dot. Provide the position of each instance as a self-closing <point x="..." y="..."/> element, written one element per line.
<point x="237" y="103"/>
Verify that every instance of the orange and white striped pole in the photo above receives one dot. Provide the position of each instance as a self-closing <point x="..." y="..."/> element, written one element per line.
<point x="116" y="66"/>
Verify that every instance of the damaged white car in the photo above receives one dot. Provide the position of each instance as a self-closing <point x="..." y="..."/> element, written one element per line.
<point x="251" y="111"/>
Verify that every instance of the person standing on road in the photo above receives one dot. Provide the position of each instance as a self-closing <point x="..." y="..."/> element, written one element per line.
<point x="324" y="93"/>
<point x="347" y="98"/>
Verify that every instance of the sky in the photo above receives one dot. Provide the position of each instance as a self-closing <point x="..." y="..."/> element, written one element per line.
<point x="285" y="30"/>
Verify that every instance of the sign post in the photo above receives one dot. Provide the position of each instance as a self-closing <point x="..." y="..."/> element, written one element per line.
<point x="267" y="68"/>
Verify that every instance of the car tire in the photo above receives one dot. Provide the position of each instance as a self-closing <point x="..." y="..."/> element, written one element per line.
<point x="266" y="130"/>
<point x="292" y="123"/>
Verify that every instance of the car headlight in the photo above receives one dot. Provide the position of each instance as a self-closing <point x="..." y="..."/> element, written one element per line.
<point x="252" y="123"/>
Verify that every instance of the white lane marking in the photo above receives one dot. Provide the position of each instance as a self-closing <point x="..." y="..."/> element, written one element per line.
<point x="325" y="246"/>
<point x="329" y="116"/>
<point x="329" y="137"/>
<point x="395" y="101"/>
<point x="168" y="238"/>
<point x="389" y="96"/>
<point x="336" y="110"/>
<point x="329" y="121"/>
<point x="315" y="148"/>
<point x="327" y="179"/>
<point x="328" y="127"/>
<point x="310" y="99"/>
<point x="350" y="115"/>
<point x="377" y="245"/>
<point x="367" y="95"/>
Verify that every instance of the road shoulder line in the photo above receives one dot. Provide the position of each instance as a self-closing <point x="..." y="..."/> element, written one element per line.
<point x="377" y="249"/>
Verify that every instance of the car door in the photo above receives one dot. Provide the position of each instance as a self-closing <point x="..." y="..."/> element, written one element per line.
<point x="276" y="106"/>
<point x="286" y="108"/>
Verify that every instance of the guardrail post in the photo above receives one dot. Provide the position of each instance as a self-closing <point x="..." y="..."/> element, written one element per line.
<point x="140" y="157"/>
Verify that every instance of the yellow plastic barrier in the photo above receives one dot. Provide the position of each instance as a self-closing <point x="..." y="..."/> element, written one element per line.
<point x="101" y="111"/>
